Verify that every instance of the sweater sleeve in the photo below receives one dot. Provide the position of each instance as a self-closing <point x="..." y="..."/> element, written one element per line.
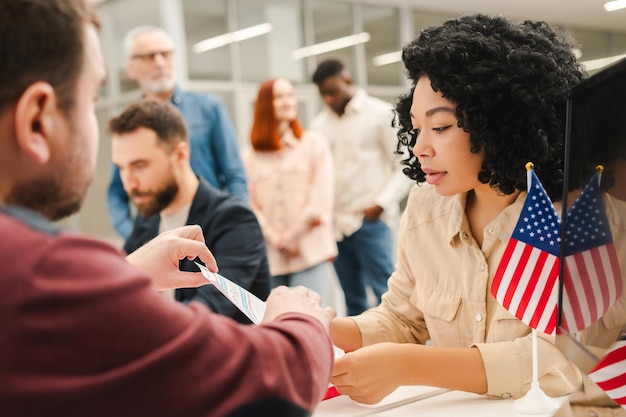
<point x="92" y="338"/>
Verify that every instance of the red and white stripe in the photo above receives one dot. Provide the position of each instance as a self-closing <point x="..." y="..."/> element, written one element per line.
<point x="610" y="373"/>
<point x="525" y="284"/>
<point x="592" y="283"/>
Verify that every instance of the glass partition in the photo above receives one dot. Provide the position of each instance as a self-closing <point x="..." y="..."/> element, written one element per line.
<point x="332" y="20"/>
<point x="596" y="44"/>
<point x="383" y="24"/>
<point x="593" y="250"/>
<point x="127" y="15"/>
<point x="422" y="19"/>
<point x="275" y="28"/>
<point x="208" y="50"/>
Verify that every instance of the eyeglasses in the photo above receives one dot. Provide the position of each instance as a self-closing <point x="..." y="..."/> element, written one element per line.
<point x="151" y="56"/>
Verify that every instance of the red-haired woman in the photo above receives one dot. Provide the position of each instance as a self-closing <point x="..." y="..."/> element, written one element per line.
<point x="290" y="179"/>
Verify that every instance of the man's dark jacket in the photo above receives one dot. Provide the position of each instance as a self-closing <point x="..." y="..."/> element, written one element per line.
<point x="232" y="233"/>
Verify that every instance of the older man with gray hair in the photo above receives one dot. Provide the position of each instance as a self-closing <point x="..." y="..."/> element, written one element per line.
<point x="214" y="151"/>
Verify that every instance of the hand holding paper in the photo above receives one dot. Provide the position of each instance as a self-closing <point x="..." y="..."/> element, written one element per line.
<point x="300" y="299"/>
<point x="369" y="374"/>
<point x="159" y="258"/>
<point x="281" y="300"/>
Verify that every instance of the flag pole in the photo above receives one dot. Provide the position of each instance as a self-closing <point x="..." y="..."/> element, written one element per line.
<point x="535" y="401"/>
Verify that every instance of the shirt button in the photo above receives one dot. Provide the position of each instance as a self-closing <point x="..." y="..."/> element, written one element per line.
<point x="465" y="236"/>
<point x="505" y="396"/>
<point x="482" y="267"/>
<point x="479" y="317"/>
<point x="491" y="231"/>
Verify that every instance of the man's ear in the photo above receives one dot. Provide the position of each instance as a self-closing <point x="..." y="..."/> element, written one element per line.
<point x="36" y="116"/>
<point x="182" y="151"/>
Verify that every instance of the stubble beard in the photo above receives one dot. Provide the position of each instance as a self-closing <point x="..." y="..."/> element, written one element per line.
<point x="47" y="197"/>
<point x="61" y="192"/>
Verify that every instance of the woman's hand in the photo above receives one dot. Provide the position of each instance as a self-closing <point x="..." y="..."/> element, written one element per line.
<point x="288" y="245"/>
<point x="368" y="374"/>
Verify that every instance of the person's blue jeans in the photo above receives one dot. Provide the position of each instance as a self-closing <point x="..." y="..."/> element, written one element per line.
<point x="364" y="259"/>
<point x="315" y="278"/>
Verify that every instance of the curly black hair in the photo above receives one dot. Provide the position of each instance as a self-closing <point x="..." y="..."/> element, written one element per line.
<point x="509" y="82"/>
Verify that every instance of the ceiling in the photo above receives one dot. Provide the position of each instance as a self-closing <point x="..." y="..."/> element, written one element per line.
<point x="581" y="13"/>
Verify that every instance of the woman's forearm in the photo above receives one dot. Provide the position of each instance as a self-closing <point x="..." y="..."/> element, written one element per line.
<point x="345" y="334"/>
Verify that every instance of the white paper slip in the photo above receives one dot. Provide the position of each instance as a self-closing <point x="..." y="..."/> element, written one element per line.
<point x="249" y="304"/>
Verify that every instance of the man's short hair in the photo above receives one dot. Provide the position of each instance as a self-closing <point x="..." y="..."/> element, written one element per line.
<point x="42" y="40"/>
<point x="159" y="116"/>
<point x="327" y="69"/>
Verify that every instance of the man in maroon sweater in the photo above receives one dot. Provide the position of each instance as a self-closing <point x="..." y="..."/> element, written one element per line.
<point x="82" y="331"/>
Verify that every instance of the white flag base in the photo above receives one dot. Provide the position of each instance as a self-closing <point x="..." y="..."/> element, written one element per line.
<point x="536" y="402"/>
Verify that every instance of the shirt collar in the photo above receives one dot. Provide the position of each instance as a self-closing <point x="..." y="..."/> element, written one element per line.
<point x="357" y="101"/>
<point x="502" y="225"/>
<point x="176" y="95"/>
<point x="458" y="221"/>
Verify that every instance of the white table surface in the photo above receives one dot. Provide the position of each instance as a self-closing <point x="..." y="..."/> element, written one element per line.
<point x="343" y="406"/>
<point x="424" y="402"/>
<point x="458" y="403"/>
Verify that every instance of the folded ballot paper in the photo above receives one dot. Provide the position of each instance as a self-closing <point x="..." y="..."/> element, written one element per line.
<point x="252" y="306"/>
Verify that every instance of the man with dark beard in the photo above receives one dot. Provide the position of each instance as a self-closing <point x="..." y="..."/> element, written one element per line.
<point x="151" y="150"/>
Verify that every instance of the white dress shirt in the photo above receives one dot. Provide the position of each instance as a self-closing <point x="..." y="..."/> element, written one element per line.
<point x="367" y="169"/>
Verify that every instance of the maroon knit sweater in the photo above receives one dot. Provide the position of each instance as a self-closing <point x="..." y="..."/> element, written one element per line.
<point x="83" y="334"/>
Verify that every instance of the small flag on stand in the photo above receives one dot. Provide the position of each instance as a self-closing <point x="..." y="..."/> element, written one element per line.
<point x="610" y="373"/>
<point x="592" y="280"/>
<point x="525" y="282"/>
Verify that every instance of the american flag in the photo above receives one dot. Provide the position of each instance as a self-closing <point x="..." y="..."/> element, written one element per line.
<point x="526" y="278"/>
<point x="610" y="373"/>
<point x="592" y="281"/>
